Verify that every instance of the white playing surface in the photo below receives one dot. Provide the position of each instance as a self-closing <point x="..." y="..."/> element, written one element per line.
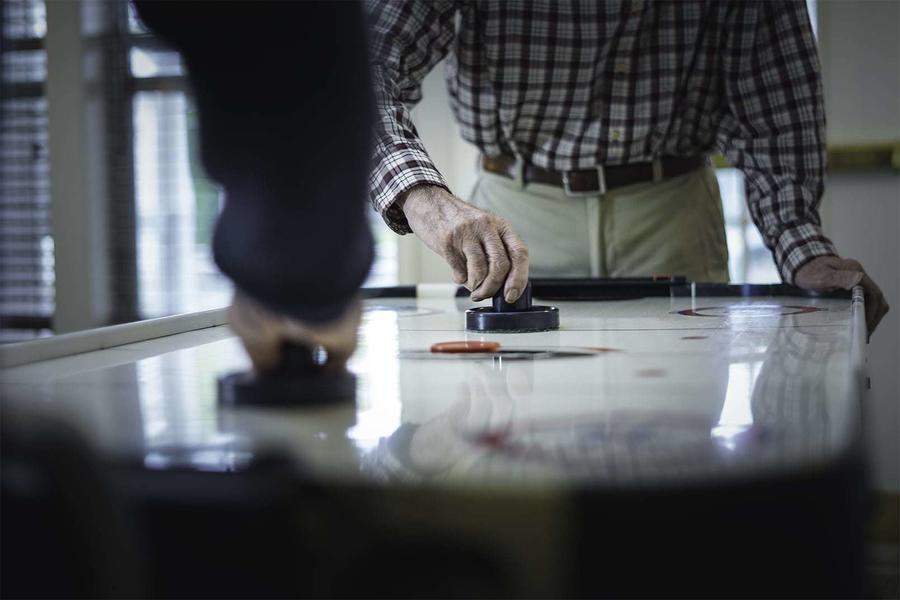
<point x="659" y="397"/>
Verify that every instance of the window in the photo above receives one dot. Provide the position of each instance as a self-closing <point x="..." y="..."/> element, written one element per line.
<point x="749" y="261"/>
<point x="161" y="208"/>
<point x="175" y="205"/>
<point x="26" y="245"/>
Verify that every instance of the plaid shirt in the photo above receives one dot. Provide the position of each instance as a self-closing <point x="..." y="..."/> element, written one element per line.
<point x="570" y="85"/>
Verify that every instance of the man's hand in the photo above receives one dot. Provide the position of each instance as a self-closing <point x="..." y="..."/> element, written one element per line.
<point x="481" y="248"/>
<point x="825" y="273"/>
<point x="264" y="332"/>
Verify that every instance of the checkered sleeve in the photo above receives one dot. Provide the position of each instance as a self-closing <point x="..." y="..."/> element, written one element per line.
<point x="408" y="38"/>
<point x="774" y="127"/>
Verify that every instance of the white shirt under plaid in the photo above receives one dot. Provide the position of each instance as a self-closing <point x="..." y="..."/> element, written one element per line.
<point x="568" y="84"/>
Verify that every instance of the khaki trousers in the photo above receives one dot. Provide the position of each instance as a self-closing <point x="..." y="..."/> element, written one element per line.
<point x="673" y="227"/>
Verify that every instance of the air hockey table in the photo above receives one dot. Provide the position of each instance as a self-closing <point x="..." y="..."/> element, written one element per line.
<point x="667" y="440"/>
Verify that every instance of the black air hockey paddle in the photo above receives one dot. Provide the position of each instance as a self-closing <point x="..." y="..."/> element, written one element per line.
<point x="519" y="317"/>
<point x="302" y="379"/>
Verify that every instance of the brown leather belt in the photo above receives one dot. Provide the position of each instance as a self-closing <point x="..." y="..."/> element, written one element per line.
<point x="594" y="182"/>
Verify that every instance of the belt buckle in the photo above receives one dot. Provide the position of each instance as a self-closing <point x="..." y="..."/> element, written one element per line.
<point x="601" y="185"/>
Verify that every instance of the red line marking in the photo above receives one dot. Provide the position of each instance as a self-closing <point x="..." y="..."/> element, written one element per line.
<point x="737" y="309"/>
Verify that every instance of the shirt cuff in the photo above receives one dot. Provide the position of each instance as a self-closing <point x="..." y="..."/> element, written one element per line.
<point x="396" y="174"/>
<point x="797" y="245"/>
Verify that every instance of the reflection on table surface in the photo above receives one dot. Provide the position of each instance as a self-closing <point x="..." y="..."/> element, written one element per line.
<point x="663" y="390"/>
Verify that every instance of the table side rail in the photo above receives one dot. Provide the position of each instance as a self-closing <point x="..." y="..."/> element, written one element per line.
<point x="858" y="340"/>
<point x="100" y="338"/>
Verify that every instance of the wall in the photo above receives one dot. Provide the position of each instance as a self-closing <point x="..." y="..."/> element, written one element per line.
<point x="860" y="51"/>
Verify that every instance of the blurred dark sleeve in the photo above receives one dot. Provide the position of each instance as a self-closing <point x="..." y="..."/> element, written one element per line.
<point x="285" y="110"/>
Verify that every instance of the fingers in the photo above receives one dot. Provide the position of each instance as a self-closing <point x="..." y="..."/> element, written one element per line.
<point x="495" y="257"/>
<point x="258" y="332"/>
<point x="457" y="262"/>
<point x="482" y="250"/>
<point x="847" y="273"/>
<point x="517" y="251"/>
<point x="337" y="359"/>
<point x="476" y="263"/>
<point x="851" y="274"/>
<point x="338" y="338"/>
<point x="507" y="262"/>
<point x="264" y="333"/>
<point x="845" y="280"/>
<point x="498" y="266"/>
<point x="831" y="272"/>
<point x="876" y="304"/>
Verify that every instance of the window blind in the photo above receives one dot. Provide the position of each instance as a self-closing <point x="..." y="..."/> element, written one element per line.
<point x="26" y="245"/>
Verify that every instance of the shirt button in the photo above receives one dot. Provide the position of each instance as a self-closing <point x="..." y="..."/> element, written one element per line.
<point x="621" y="66"/>
<point x="637" y="5"/>
<point x="616" y="135"/>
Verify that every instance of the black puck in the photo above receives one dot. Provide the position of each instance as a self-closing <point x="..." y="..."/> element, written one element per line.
<point x="250" y="389"/>
<point x="301" y="379"/>
<point x="537" y="318"/>
<point x="517" y="317"/>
